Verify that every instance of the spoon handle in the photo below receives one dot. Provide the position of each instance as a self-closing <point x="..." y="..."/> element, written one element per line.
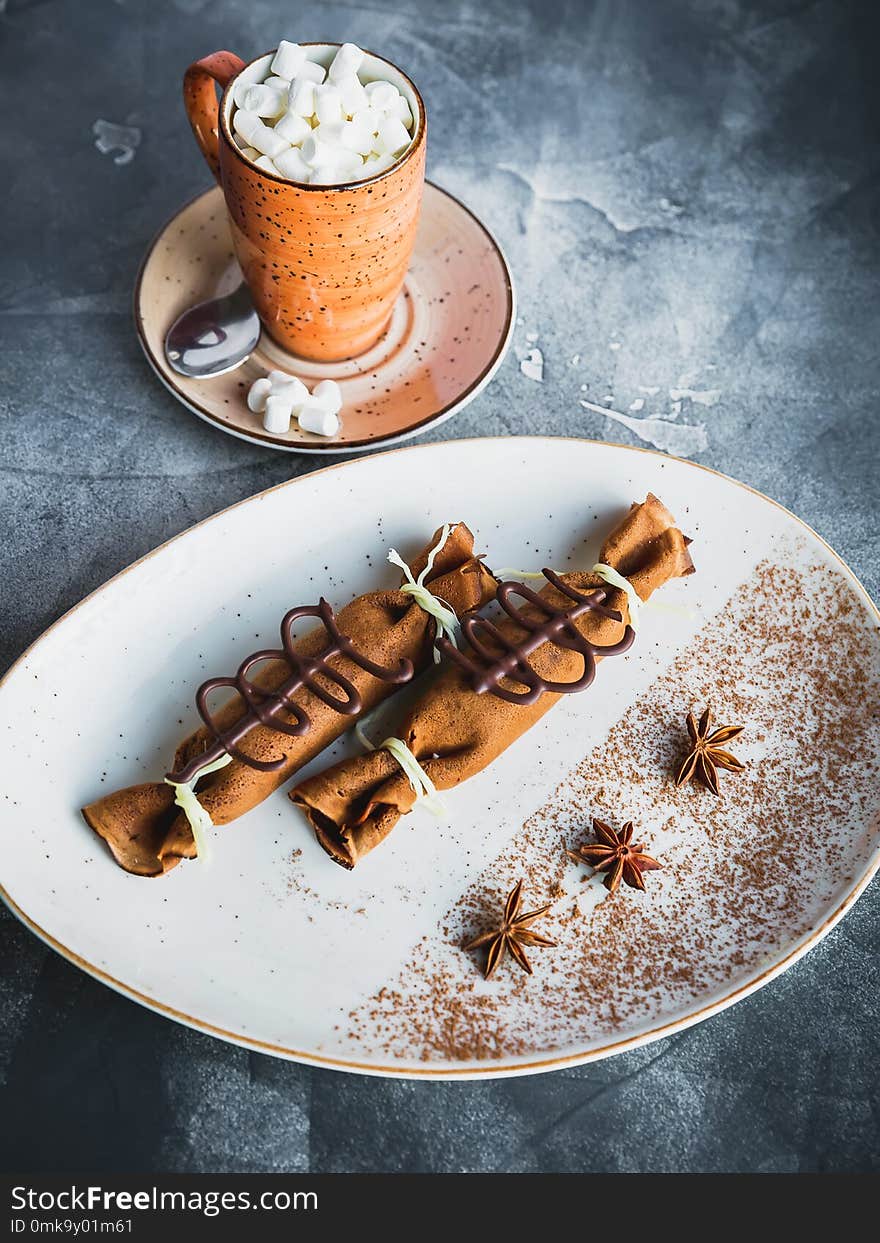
<point x="200" y="100"/>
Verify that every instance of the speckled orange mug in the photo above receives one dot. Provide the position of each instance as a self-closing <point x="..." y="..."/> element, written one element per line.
<point x="324" y="264"/>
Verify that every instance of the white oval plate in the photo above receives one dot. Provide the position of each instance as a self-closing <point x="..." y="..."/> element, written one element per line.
<point x="273" y="946"/>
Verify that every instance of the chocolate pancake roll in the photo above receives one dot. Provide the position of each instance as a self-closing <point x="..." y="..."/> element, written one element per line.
<point x="504" y="679"/>
<point x="288" y="704"/>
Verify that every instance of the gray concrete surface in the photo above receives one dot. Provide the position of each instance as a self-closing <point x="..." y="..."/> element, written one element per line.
<point x="694" y="182"/>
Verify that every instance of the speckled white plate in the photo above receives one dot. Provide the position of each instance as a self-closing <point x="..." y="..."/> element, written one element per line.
<point x="447" y="337"/>
<point x="273" y="946"/>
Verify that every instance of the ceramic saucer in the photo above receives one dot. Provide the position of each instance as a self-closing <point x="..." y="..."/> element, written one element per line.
<point x="448" y="334"/>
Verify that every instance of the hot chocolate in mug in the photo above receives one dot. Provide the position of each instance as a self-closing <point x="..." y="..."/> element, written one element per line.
<point x="324" y="264"/>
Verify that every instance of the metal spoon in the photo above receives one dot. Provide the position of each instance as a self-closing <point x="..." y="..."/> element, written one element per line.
<point x="214" y="336"/>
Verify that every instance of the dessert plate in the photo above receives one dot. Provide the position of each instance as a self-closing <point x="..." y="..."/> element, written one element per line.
<point x="448" y="335"/>
<point x="272" y="945"/>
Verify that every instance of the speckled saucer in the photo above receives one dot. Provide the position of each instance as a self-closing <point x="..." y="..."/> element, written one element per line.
<point x="448" y="334"/>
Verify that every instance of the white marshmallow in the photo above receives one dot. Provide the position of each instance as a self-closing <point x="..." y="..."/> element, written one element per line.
<point x="356" y="136"/>
<point x="293" y="128"/>
<point x="402" y="111"/>
<point x="267" y="165"/>
<point x="258" y="394"/>
<point x="328" y="103"/>
<point x="291" y="164"/>
<point x="339" y="172"/>
<point x="266" y="140"/>
<point x="288" y="60"/>
<point x="252" y="153"/>
<point x="393" y="137"/>
<point x="343" y="138"/>
<point x="382" y="95"/>
<point x="310" y="72"/>
<point x="376" y="164"/>
<point x="353" y="95"/>
<point x="245" y="123"/>
<point x="288" y="386"/>
<point x="276" y="418"/>
<point x="280" y="84"/>
<point x="329" y="132"/>
<point x="314" y="417"/>
<point x="329" y="395"/>
<point x="369" y="117"/>
<point x="315" y="151"/>
<point x="347" y="61"/>
<point x="301" y="98"/>
<point x="349" y="165"/>
<point x="265" y="101"/>
<point x="239" y="91"/>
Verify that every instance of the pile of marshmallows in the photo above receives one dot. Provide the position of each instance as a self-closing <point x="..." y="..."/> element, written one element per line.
<point x="281" y="397"/>
<point x="321" y="132"/>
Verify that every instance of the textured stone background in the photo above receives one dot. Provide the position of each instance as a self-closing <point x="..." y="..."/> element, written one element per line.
<point x="697" y="182"/>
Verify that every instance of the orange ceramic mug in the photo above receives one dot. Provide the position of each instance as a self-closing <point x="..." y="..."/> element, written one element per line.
<point x="324" y="264"/>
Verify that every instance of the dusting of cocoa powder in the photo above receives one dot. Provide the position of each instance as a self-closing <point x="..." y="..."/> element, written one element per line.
<point x="745" y="876"/>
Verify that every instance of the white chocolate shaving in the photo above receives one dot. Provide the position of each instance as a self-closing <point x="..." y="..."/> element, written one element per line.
<point x="606" y="572"/>
<point x="444" y="616"/>
<point x="185" y="798"/>
<point x="425" y="790"/>
<point x="609" y="575"/>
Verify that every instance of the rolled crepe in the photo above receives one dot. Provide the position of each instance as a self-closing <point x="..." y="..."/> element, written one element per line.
<point x="454" y="732"/>
<point x="148" y="834"/>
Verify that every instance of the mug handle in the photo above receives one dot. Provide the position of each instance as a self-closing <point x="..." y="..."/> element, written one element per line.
<point x="200" y="100"/>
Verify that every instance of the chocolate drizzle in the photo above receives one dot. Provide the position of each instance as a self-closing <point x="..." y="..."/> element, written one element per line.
<point x="263" y="706"/>
<point x="489" y="662"/>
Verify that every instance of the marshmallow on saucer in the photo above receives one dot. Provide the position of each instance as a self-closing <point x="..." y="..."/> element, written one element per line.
<point x="258" y="394"/>
<point x="288" y="60"/>
<point x="277" y="415"/>
<point x="313" y="417"/>
<point x="279" y="397"/>
<point x="289" y="386"/>
<point x="329" y="395"/>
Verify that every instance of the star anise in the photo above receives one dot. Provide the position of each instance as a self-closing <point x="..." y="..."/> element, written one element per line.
<point x="706" y="755"/>
<point x="514" y="933"/>
<point x="617" y="855"/>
